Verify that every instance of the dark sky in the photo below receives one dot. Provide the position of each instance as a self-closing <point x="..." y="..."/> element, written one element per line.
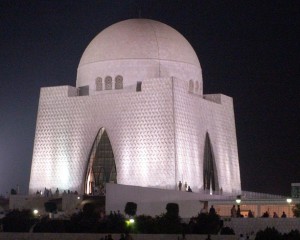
<point x="248" y="50"/>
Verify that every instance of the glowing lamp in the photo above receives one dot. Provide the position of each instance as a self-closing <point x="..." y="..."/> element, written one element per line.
<point x="35" y="211"/>
<point x="238" y="199"/>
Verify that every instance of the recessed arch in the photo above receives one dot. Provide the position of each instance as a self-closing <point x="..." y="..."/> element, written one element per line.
<point x="191" y="86"/>
<point x="98" y="82"/>
<point x="119" y="82"/>
<point x="108" y="83"/>
<point x="210" y="174"/>
<point x="196" y="86"/>
<point x="101" y="164"/>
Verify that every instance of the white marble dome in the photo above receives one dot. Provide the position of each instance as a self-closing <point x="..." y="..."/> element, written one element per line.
<point x="136" y="50"/>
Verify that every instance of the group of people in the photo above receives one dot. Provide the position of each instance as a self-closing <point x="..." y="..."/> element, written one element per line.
<point x="236" y="212"/>
<point x="275" y="215"/>
<point x="243" y="238"/>
<point x="123" y="236"/>
<point x="212" y="210"/>
<point x="185" y="187"/>
<point x="48" y="192"/>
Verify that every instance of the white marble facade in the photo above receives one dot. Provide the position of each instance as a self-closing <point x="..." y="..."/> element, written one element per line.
<point x="144" y="86"/>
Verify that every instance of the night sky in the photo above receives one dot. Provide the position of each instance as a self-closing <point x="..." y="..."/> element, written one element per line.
<point x="248" y="50"/>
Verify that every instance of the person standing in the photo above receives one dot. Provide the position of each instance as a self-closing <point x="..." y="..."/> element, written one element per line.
<point x="208" y="237"/>
<point x="179" y="185"/>
<point x="250" y="214"/>
<point x="241" y="237"/>
<point x="128" y="236"/>
<point x="122" y="237"/>
<point x="212" y="210"/>
<point x="283" y="215"/>
<point x="233" y="211"/>
<point x="238" y="212"/>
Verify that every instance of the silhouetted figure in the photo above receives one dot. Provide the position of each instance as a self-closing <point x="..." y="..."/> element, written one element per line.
<point x="109" y="237"/>
<point x="238" y="211"/>
<point x="233" y="211"/>
<point x="208" y="237"/>
<point x="241" y="237"/>
<point x="183" y="237"/>
<point x="189" y="189"/>
<point x="13" y="191"/>
<point x="275" y="215"/>
<point x="122" y="237"/>
<point x="283" y="215"/>
<point x="266" y="215"/>
<point x="250" y="214"/>
<point x="212" y="210"/>
<point x="128" y="236"/>
<point x="185" y="186"/>
<point x="179" y="185"/>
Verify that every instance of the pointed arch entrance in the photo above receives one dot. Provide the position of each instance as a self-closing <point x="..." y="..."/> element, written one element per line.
<point x="101" y="165"/>
<point x="210" y="175"/>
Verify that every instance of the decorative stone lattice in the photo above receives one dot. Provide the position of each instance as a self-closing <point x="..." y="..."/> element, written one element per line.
<point x="118" y="82"/>
<point x="99" y="84"/>
<point x="108" y="83"/>
<point x="157" y="136"/>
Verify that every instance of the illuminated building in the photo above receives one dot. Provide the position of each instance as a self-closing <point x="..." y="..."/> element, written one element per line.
<point x="137" y="116"/>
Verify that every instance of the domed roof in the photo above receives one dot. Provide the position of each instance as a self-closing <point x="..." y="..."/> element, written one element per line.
<point x="138" y="49"/>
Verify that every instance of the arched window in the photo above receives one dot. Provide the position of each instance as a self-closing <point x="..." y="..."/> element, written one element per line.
<point x="119" y="82"/>
<point x="108" y="83"/>
<point x="139" y="86"/>
<point x="196" y="86"/>
<point x="191" y="86"/>
<point x="98" y="84"/>
<point x="210" y="174"/>
<point x="101" y="164"/>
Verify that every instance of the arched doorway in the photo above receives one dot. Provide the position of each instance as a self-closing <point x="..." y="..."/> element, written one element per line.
<point x="210" y="175"/>
<point x="101" y="165"/>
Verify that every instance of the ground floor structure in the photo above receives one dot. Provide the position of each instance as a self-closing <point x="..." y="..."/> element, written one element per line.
<point x="153" y="201"/>
<point x="92" y="236"/>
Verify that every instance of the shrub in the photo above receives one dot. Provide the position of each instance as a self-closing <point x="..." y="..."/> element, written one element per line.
<point x="268" y="234"/>
<point x="88" y="209"/>
<point x="145" y="224"/>
<point x="130" y="208"/>
<point x="292" y="235"/>
<point x="167" y="224"/>
<point x="50" y="207"/>
<point x="18" y="221"/>
<point x="51" y="225"/>
<point x="296" y="210"/>
<point x="227" y="231"/>
<point x="115" y="223"/>
<point x="205" y="224"/>
<point x="172" y="210"/>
